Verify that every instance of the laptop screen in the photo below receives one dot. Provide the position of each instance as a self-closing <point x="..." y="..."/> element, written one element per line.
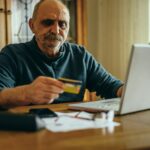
<point x="137" y="87"/>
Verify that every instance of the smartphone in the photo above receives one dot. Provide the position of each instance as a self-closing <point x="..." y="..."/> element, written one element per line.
<point x="42" y="112"/>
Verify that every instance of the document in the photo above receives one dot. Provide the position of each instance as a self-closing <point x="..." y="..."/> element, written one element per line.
<point x="78" y="121"/>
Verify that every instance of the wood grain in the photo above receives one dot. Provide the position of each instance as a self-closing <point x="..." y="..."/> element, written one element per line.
<point x="2" y="24"/>
<point x="133" y="133"/>
<point x="8" y="22"/>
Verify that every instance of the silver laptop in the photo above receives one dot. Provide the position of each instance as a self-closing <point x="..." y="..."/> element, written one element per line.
<point x="136" y="94"/>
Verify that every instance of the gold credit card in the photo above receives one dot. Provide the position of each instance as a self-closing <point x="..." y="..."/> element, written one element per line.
<point x="71" y="86"/>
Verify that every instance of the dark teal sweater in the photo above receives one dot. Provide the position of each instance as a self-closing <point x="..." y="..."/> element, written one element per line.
<point x="21" y="63"/>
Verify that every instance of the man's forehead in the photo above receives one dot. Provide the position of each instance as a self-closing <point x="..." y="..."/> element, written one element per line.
<point x="55" y="15"/>
<point x="56" y="11"/>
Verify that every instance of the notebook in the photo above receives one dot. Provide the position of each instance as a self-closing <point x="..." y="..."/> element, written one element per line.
<point x="136" y="93"/>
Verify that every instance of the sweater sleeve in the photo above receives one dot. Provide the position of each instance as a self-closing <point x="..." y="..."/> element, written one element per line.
<point x="100" y="80"/>
<point x="7" y="70"/>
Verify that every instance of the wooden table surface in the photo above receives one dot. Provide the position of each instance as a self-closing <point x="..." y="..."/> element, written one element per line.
<point x="133" y="133"/>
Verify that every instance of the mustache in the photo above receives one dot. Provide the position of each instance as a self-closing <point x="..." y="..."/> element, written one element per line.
<point x="52" y="36"/>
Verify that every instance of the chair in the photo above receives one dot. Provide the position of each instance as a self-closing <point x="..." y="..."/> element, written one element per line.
<point x="89" y="96"/>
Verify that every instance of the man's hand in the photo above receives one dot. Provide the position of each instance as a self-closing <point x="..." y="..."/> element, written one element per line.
<point x="119" y="92"/>
<point x="43" y="90"/>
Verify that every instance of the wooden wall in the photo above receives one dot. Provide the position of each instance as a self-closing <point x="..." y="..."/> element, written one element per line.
<point x="2" y="24"/>
<point x="117" y="25"/>
<point x="5" y="22"/>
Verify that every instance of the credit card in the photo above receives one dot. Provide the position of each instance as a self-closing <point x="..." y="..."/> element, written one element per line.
<point x="71" y="86"/>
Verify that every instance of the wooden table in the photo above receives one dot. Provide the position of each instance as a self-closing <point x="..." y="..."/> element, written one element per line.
<point x="133" y="133"/>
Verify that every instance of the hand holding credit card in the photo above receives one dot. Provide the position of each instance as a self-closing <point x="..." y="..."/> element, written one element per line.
<point x="71" y="86"/>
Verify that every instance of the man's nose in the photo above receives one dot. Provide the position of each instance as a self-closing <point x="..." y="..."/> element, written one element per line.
<point x="55" y="28"/>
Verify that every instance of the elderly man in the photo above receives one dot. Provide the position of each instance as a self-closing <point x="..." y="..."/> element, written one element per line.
<point x="29" y="72"/>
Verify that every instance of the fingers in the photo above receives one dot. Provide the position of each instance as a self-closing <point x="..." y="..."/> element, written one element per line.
<point x="120" y="90"/>
<point x="52" y="89"/>
<point x="45" y="98"/>
<point x="49" y="84"/>
<point x="51" y="101"/>
<point x="50" y="96"/>
<point x="52" y="81"/>
<point x="44" y="90"/>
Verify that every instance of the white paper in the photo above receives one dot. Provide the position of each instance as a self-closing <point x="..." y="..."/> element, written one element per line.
<point x="68" y="122"/>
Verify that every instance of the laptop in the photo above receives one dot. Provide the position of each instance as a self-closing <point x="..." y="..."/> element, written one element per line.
<point x="136" y="93"/>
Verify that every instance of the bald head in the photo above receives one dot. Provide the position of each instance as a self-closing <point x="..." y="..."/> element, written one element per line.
<point x="53" y="3"/>
<point x="50" y="25"/>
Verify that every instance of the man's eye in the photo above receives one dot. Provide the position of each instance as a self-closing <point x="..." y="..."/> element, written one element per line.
<point x="47" y="22"/>
<point x="62" y="24"/>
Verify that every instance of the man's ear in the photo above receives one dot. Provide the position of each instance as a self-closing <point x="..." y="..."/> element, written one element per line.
<point x="31" y="25"/>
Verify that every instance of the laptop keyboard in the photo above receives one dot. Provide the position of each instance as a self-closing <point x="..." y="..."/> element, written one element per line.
<point x="109" y="104"/>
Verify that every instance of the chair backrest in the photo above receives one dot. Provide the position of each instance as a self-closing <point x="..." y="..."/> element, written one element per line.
<point x="89" y="96"/>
